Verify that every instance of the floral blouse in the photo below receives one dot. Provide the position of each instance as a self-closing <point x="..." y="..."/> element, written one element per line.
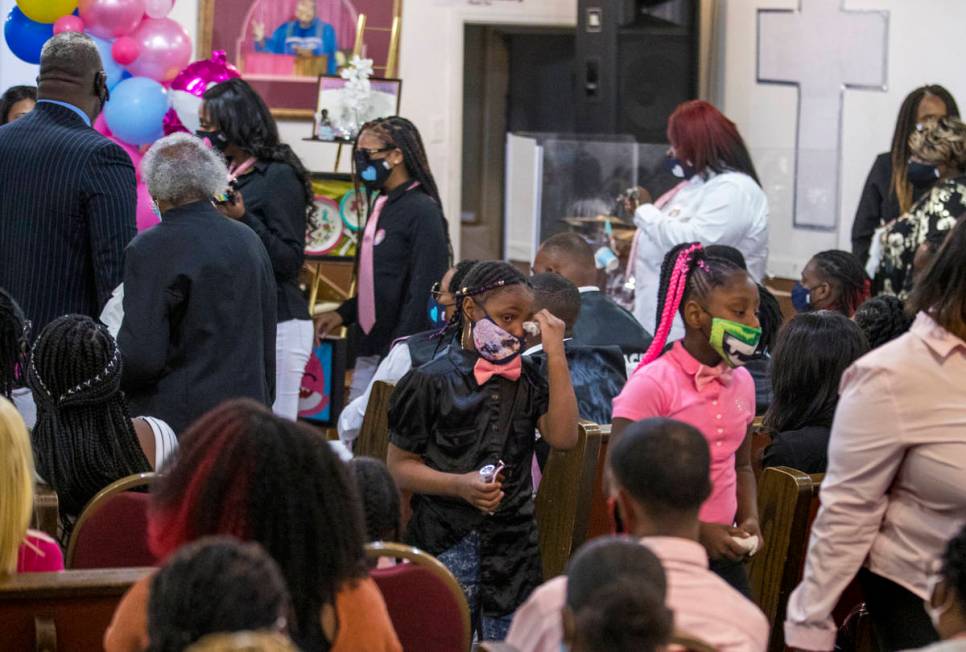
<point x="935" y="212"/>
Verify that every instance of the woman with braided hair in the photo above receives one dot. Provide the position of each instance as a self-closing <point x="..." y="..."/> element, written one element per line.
<point x="882" y="319"/>
<point x="461" y="439"/>
<point x="14" y="354"/>
<point x="832" y="280"/>
<point x="405" y="246"/>
<point x="272" y="195"/>
<point x="85" y="438"/>
<point x="702" y="381"/>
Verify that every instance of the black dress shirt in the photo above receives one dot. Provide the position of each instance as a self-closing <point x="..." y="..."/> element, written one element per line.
<point x="67" y="210"/>
<point x="439" y="412"/>
<point x="199" y="316"/>
<point x="275" y="210"/>
<point x="410" y="255"/>
<point x="805" y="449"/>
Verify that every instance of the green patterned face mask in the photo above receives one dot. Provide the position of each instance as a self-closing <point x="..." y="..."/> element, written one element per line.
<point x="736" y="343"/>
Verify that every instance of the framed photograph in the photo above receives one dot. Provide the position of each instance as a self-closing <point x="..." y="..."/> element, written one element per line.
<point x="340" y="217"/>
<point x="339" y="120"/>
<point x="323" y="384"/>
<point x="282" y="46"/>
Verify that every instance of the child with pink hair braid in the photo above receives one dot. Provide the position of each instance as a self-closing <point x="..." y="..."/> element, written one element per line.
<point x="700" y="380"/>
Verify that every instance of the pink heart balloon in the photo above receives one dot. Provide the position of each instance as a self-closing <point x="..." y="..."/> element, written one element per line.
<point x="69" y="23"/>
<point x="125" y="50"/>
<point x="111" y="18"/>
<point x="202" y="75"/>
<point x="165" y="49"/>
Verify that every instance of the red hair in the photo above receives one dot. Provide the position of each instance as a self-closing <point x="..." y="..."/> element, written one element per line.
<point x="706" y="138"/>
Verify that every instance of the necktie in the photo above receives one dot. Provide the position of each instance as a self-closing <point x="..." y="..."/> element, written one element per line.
<point x="483" y="370"/>
<point x="707" y="375"/>
<point x="367" y="290"/>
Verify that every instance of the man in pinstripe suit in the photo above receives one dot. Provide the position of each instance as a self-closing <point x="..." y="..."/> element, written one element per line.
<point x="67" y="194"/>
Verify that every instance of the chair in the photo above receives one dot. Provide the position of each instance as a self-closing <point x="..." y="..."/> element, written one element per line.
<point x="373" y="438"/>
<point x="494" y="646"/>
<point x="599" y="522"/>
<point x="112" y="530"/>
<point x="564" y="499"/>
<point x="760" y="440"/>
<point x="65" y="611"/>
<point x="426" y="604"/>
<point x="46" y="517"/>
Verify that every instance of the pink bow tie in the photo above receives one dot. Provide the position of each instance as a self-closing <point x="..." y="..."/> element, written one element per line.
<point x="483" y="370"/>
<point x="707" y="375"/>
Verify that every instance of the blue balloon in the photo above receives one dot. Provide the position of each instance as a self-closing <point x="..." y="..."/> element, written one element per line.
<point x="135" y="113"/>
<point x="114" y="70"/>
<point x="25" y="37"/>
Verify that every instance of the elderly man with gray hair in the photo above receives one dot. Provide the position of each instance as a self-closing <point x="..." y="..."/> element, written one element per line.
<point x="199" y="295"/>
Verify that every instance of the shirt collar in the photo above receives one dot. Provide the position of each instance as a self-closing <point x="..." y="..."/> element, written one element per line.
<point x="686" y="362"/>
<point x="401" y="190"/>
<point x="588" y="288"/>
<point x="67" y="105"/>
<point x="676" y="549"/>
<point x="935" y="336"/>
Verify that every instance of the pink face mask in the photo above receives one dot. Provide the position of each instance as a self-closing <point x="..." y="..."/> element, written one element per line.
<point x="494" y="343"/>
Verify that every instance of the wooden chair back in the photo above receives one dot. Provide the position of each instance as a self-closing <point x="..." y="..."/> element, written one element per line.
<point x="787" y="501"/>
<point x="564" y="499"/>
<point x="760" y="440"/>
<point x="46" y="517"/>
<point x="112" y="531"/>
<point x="373" y="440"/>
<point x="599" y="522"/>
<point x="47" y="612"/>
<point x="423" y="598"/>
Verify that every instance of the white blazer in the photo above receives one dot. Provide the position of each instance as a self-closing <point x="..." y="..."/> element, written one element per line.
<point x="727" y="209"/>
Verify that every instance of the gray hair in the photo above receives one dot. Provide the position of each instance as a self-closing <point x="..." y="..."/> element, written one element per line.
<point x="71" y="54"/>
<point x="180" y="168"/>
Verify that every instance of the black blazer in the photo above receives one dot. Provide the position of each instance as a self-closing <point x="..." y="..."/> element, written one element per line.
<point x="67" y="210"/>
<point x="604" y="323"/>
<point x="199" y="316"/>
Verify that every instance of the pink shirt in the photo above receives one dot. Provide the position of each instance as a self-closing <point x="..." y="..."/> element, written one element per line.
<point x="722" y="410"/>
<point x="704" y="605"/>
<point x="39" y="554"/>
<point x="895" y="489"/>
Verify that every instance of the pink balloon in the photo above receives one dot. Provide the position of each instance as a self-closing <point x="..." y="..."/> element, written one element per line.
<point x="125" y="50"/>
<point x="202" y="75"/>
<point x="69" y="23"/>
<point x="100" y="125"/>
<point x="111" y="18"/>
<point x="172" y="124"/>
<point x="165" y="49"/>
<point x="158" y="8"/>
<point x="145" y="212"/>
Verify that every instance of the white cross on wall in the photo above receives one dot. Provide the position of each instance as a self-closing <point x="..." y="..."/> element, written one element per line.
<point x="822" y="49"/>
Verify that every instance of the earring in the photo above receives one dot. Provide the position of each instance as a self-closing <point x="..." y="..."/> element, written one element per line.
<point x="465" y="335"/>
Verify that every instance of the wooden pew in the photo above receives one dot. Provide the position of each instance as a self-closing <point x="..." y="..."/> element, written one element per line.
<point x="46" y="517"/>
<point x="599" y="522"/>
<point x="373" y="438"/>
<point x="67" y="612"/>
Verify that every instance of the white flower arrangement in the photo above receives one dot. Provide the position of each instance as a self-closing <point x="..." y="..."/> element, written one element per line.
<point x="356" y="95"/>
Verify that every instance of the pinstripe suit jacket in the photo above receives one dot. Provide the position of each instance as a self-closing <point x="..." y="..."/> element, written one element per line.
<point x="67" y="210"/>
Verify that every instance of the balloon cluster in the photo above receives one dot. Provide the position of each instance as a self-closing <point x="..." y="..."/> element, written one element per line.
<point x="145" y="55"/>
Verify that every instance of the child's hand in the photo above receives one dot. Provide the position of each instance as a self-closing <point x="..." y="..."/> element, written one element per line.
<point x="485" y="496"/>
<point x="717" y="541"/>
<point x="551" y="331"/>
<point x="751" y="527"/>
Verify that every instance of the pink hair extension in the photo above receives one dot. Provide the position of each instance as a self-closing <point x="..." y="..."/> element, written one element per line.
<point x="675" y="292"/>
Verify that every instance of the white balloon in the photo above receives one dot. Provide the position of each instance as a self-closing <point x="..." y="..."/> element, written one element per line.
<point x="158" y="8"/>
<point x="188" y="108"/>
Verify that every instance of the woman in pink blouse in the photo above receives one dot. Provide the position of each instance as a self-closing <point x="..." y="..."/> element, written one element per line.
<point x="895" y="490"/>
<point x="21" y="550"/>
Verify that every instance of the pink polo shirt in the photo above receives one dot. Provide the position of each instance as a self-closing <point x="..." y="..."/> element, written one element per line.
<point x="722" y="410"/>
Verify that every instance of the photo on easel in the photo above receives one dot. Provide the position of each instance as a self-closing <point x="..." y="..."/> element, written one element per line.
<point x="340" y="219"/>
<point x="340" y="113"/>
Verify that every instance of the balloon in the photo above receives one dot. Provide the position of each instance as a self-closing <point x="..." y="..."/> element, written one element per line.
<point x="25" y="37"/>
<point x="125" y="50"/>
<point x="69" y="23"/>
<point x="114" y="70"/>
<point x="100" y="125"/>
<point x="145" y="212"/>
<point x="202" y="75"/>
<point x="133" y="152"/>
<point x="158" y="8"/>
<point x="47" y="11"/>
<point x="165" y="49"/>
<point x="111" y="18"/>
<point x="183" y="114"/>
<point x="135" y="112"/>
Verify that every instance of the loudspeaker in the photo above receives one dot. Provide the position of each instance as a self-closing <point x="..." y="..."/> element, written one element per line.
<point x="636" y="61"/>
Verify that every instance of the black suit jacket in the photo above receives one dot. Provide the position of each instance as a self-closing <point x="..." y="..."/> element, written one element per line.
<point x="67" y="210"/>
<point x="604" y="323"/>
<point x="199" y="316"/>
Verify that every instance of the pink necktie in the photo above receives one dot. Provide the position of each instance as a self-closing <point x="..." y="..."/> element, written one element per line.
<point x="707" y="375"/>
<point x="367" y="290"/>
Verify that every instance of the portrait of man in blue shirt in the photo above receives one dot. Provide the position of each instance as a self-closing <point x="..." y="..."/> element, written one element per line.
<point x="306" y="36"/>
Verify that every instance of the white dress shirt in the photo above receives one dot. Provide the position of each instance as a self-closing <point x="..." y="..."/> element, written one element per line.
<point x="390" y="370"/>
<point x="726" y="209"/>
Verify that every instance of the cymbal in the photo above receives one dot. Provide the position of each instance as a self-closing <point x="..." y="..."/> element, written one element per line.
<point x="615" y="222"/>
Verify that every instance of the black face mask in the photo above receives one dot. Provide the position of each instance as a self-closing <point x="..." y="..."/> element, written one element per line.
<point x="102" y="91"/>
<point x="372" y="173"/>
<point x="921" y="174"/>
<point x="217" y="139"/>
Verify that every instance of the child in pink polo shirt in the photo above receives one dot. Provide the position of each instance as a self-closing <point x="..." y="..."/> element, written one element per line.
<point x="699" y="381"/>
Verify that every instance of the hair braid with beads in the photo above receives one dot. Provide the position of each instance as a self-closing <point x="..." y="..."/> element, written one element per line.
<point x="84" y="438"/>
<point x="686" y="271"/>
<point x="482" y="279"/>
<point x="14" y="348"/>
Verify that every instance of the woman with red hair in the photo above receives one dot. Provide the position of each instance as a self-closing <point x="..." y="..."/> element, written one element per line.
<point x="719" y="201"/>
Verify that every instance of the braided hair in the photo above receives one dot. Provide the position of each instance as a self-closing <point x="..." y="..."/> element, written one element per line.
<point x="687" y="271"/>
<point x="954" y="567"/>
<point x="769" y="316"/>
<point x="482" y="280"/>
<point x="380" y="499"/>
<point x="84" y="438"/>
<point x="882" y="319"/>
<point x="844" y="270"/>
<point x="14" y="347"/>
<point x="217" y="584"/>
<point x="242" y="115"/>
